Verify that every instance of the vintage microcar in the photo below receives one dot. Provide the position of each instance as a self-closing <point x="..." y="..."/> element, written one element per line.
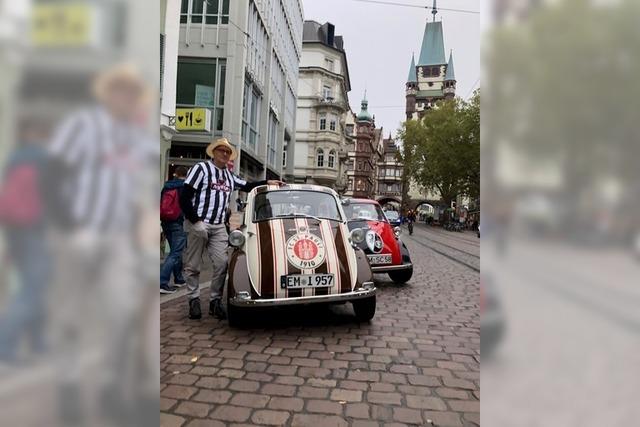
<point x="294" y="247"/>
<point x="386" y="252"/>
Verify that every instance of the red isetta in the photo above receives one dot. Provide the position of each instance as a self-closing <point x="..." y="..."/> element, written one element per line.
<point x="382" y="244"/>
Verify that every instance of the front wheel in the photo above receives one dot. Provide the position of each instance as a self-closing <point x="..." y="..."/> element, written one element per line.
<point x="401" y="276"/>
<point x="364" y="308"/>
<point x="237" y="317"/>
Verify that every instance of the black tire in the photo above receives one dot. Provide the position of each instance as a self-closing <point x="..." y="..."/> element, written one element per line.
<point x="364" y="308"/>
<point x="401" y="276"/>
<point x="237" y="317"/>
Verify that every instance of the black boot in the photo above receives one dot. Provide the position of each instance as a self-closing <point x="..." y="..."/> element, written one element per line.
<point x="194" y="309"/>
<point x="216" y="309"/>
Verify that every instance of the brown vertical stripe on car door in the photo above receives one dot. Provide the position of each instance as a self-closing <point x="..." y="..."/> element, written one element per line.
<point x="343" y="256"/>
<point x="266" y="260"/>
<point x="322" y="268"/>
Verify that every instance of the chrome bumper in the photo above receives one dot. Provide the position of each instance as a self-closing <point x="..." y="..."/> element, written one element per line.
<point x="359" y="293"/>
<point x="387" y="268"/>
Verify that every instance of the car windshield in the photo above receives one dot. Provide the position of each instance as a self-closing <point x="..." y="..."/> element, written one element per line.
<point x="363" y="211"/>
<point x="391" y="215"/>
<point x="295" y="203"/>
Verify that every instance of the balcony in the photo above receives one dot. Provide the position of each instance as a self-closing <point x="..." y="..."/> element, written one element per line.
<point x="396" y="194"/>
<point x="389" y="178"/>
<point x="330" y="101"/>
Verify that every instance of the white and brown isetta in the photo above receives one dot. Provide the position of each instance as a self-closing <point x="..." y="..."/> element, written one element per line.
<point x="294" y="247"/>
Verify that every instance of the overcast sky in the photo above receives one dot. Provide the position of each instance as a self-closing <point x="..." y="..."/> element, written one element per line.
<point x="379" y="40"/>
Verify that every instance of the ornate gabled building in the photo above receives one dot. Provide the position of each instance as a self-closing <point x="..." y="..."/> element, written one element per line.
<point x="433" y="77"/>
<point x="363" y="159"/>
<point x="390" y="172"/>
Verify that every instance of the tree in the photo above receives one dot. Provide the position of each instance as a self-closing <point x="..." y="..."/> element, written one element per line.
<point x="441" y="152"/>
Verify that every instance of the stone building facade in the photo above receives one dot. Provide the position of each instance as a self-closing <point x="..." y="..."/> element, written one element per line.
<point x="322" y="134"/>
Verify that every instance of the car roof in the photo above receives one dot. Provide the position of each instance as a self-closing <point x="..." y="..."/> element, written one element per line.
<point x="289" y="187"/>
<point x="367" y="201"/>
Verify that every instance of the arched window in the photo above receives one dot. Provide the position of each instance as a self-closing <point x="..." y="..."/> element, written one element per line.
<point x="320" y="158"/>
<point x="332" y="157"/>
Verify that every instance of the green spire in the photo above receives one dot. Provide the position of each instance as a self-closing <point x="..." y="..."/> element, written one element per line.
<point x="451" y="74"/>
<point x="412" y="70"/>
<point x="432" y="51"/>
<point x="364" y="113"/>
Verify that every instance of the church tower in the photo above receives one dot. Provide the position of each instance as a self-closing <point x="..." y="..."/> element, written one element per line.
<point x="432" y="79"/>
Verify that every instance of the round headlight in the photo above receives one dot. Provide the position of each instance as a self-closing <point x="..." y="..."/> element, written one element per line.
<point x="236" y="238"/>
<point x="397" y="231"/>
<point x="357" y="235"/>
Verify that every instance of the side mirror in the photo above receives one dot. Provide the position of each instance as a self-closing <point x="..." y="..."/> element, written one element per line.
<point x="345" y="202"/>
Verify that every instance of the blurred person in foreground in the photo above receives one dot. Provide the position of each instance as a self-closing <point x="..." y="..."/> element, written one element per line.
<point x="101" y="158"/>
<point x="205" y="199"/>
<point x="22" y="219"/>
<point x="172" y="220"/>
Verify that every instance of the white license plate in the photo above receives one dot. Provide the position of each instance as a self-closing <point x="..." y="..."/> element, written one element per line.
<point x="379" y="259"/>
<point x="296" y="281"/>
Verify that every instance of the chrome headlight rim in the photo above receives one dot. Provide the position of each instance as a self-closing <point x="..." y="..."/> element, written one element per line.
<point x="357" y="236"/>
<point x="397" y="231"/>
<point x="236" y="238"/>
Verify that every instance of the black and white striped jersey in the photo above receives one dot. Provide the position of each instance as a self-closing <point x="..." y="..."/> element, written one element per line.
<point x="213" y="188"/>
<point x="100" y="165"/>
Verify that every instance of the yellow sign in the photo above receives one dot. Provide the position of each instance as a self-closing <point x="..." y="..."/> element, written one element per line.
<point x="193" y="119"/>
<point x="61" y="25"/>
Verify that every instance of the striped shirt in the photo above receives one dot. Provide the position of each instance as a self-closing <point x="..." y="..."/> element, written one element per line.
<point x="101" y="161"/>
<point x="213" y="188"/>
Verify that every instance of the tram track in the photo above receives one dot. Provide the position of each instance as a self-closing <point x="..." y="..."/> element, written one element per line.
<point x="448" y="255"/>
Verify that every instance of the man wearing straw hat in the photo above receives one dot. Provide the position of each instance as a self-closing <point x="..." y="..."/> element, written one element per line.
<point x="204" y="201"/>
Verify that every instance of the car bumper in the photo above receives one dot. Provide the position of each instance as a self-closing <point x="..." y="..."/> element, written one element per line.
<point x="387" y="268"/>
<point x="368" y="289"/>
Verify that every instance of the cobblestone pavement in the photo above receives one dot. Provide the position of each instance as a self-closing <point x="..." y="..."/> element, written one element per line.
<point x="416" y="363"/>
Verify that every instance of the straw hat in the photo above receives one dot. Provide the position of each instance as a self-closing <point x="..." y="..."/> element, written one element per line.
<point x="221" y="142"/>
<point x="121" y="74"/>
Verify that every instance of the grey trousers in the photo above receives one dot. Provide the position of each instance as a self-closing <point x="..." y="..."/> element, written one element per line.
<point x="215" y="244"/>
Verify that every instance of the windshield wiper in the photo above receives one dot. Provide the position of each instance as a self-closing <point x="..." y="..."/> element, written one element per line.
<point x="299" y="214"/>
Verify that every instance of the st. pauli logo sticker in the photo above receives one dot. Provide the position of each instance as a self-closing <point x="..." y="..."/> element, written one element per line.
<point x="305" y="250"/>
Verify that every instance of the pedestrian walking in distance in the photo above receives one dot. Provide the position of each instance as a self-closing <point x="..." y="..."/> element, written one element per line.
<point x="204" y="201"/>
<point x="172" y="221"/>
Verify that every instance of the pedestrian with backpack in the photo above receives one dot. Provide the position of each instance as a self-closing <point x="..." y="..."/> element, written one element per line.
<point x="22" y="220"/>
<point x="172" y="219"/>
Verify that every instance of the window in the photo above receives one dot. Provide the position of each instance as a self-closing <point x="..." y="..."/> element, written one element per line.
<point x="332" y="156"/>
<point x="201" y="82"/>
<point x="359" y="166"/>
<point x="349" y="129"/>
<point x="211" y="10"/>
<point x="250" y="116"/>
<point x="272" y="140"/>
<point x="328" y="64"/>
<point x="323" y="121"/>
<point x="332" y="123"/>
<point x="284" y="158"/>
<point x="326" y="92"/>
<point x="381" y="172"/>
<point x="320" y="158"/>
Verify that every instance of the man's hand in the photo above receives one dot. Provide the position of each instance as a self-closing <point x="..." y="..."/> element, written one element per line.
<point x="275" y="182"/>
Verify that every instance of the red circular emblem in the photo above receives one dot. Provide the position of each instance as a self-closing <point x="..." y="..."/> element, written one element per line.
<point x="305" y="249"/>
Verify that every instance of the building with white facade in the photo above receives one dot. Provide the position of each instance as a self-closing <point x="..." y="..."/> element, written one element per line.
<point x="236" y="73"/>
<point x="323" y="106"/>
